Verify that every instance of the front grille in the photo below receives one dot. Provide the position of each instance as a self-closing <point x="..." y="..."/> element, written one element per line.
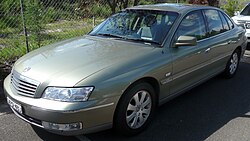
<point x="24" y="85"/>
<point x="241" y="21"/>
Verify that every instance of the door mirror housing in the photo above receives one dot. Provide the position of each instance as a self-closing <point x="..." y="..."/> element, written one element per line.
<point x="186" y="41"/>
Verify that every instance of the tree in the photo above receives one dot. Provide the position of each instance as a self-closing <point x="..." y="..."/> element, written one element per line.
<point x="199" y="2"/>
<point x="113" y="5"/>
<point x="122" y="4"/>
<point x="205" y="2"/>
<point x="230" y="6"/>
<point x="213" y="3"/>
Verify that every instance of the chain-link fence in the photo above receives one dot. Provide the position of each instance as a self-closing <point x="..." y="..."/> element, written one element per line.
<point x="29" y="24"/>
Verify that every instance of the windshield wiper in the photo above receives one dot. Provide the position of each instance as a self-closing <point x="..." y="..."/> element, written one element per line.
<point x="143" y="40"/>
<point x="126" y="38"/>
<point x="108" y="35"/>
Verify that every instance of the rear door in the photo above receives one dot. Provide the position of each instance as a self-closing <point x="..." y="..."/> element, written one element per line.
<point x="221" y="40"/>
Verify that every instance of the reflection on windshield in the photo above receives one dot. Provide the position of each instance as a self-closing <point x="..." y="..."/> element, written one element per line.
<point x="141" y="25"/>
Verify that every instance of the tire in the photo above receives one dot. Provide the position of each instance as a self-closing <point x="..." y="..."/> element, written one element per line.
<point x="232" y="64"/>
<point x="135" y="109"/>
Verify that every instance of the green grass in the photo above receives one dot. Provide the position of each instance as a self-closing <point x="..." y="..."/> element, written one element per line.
<point x="12" y="42"/>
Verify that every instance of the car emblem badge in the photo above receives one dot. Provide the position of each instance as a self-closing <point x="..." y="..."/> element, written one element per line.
<point x="26" y="69"/>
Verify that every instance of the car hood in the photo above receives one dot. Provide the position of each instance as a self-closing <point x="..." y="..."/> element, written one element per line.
<point x="68" y="62"/>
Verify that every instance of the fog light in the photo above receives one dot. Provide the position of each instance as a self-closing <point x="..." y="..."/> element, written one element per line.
<point x="64" y="127"/>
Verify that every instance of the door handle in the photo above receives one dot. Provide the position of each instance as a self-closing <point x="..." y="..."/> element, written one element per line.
<point x="232" y="42"/>
<point x="207" y="50"/>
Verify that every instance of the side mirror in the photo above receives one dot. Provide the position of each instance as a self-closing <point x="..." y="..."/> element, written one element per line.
<point x="236" y="13"/>
<point x="186" y="41"/>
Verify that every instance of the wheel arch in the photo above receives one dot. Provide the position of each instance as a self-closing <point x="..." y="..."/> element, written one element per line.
<point x="150" y="80"/>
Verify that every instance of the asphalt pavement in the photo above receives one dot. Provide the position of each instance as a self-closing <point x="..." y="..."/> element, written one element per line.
<point x="217" y="110"/>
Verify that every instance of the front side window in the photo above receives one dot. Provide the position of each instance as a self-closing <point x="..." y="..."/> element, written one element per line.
<point x="214" y="22"/>
<point x="140" y="25"/>
<point x="192" y="25"/>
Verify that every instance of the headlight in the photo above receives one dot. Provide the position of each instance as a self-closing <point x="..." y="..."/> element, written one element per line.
<point x="68" y="94"/>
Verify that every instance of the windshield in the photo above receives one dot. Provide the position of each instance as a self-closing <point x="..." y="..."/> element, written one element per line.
<point x="246" y="11"/>
<point x="140" y="25"/>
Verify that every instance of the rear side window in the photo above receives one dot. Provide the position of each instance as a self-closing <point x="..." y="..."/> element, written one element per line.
<point x="230" y="23"/>
<point x="224" y="22"/>
<point x="214" y="22"/>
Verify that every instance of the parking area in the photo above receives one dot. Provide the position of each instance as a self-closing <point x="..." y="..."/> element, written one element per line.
<point x="216" y="110"/>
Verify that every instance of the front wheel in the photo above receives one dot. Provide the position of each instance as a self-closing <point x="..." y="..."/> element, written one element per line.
<point x="135" y="109"/>
<point x="232" y="64"/>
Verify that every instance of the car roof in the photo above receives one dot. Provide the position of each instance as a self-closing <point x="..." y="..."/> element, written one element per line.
<point x="171" y="7"/>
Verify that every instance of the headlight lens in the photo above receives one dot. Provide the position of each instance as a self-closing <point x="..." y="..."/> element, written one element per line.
<point x="68" y="94"/>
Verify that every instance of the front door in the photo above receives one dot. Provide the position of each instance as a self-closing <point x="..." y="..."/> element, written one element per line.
<point x="189" y="62"/>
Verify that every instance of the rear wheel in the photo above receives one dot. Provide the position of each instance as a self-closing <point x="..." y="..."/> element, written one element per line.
<point x="232" y="64"/>
<point x="135" y="109"/>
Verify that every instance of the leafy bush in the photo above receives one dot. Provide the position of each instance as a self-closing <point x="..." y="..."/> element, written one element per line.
<point x="51" y="15"/>
<point x="34" y="20"/>
<point x="100" y="11"/>
<point x="230" y="6"/>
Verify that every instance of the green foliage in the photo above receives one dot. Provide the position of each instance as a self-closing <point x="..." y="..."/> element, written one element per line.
<point x="51" y="15"/>
<point x="146" y="2"/>
<point x="14" y="44"/>
<point x="34" y="20"/>
<point x="230" y="6"/>
<point x="99" y="11"/>
<point x="9" y="13"/>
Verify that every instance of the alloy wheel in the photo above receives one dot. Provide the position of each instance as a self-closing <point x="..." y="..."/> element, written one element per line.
<point x="138" y="109"/>
<point x="234" y="63"/>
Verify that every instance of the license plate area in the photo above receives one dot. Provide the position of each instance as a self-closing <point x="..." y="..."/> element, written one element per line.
<point x="17" y="107"/>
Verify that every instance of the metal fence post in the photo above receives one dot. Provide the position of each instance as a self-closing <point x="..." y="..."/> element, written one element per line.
<point x="93" y="22"/>
<point x="24" y="27"/>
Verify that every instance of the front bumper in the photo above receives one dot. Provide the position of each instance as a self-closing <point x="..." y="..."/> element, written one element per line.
<point x="93" y="115"/>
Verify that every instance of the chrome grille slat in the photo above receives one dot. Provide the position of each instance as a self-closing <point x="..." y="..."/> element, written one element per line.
<point x="17" y="86"/>
<point x="24" y="94"/>
<point x="23" y="85"/>
<point x="20" y="91"/>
